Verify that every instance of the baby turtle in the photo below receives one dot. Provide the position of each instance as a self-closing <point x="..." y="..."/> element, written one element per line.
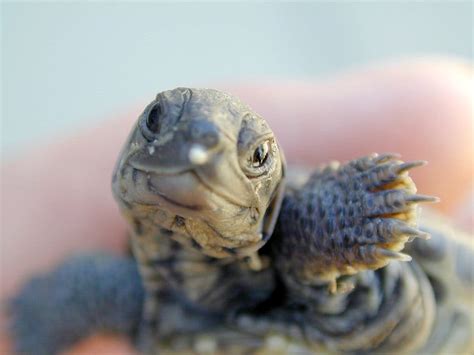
<point x="237" y="255"/>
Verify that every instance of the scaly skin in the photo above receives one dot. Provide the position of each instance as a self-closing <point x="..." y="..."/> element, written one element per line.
<point x="187" y="183"/>
<point x="201" y="182"/>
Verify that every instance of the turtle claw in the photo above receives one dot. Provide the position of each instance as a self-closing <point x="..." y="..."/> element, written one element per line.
<point x="388" y="200"/>
<point x="392" y="201"/>
<point x="413" y="232"/>
<point x="376" y="241"/>
<point x="421" y="198"/>
<point x="391" y="254"/>
<point x="410" y="165"/>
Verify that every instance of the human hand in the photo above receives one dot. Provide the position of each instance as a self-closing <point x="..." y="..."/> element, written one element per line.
<point x="57" y="199"/>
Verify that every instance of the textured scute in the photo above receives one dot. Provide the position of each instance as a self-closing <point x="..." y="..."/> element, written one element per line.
<point x="83" y="295"/>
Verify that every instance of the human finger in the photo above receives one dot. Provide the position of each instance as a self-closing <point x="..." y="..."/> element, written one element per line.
<point x="421" y="108"/>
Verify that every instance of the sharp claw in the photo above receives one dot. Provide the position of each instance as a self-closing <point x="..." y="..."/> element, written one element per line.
<point x="393" y="254"/>
<point x="421" y="198"/>
<point x="382" y="158"/>
<point x="410" y="165"/>
<point x="405" y="229"/>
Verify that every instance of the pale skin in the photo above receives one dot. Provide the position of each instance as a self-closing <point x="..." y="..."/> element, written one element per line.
<point x="57" y="199"/>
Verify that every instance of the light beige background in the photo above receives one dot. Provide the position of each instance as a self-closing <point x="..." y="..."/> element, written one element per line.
<point x="66" y="65"/>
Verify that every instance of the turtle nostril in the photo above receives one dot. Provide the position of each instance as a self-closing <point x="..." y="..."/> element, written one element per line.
<point x="204" y="133"/>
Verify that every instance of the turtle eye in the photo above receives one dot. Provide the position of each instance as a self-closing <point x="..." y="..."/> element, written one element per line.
<point x="260" y="154"/>
<point x="153" y="120"/>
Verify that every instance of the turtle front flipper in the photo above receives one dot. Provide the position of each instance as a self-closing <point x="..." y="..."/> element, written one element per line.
<point x="80" y="297"/>
<point x="348" y="218"/>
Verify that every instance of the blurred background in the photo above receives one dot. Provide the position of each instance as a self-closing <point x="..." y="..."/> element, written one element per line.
<point x="66" y="65"/>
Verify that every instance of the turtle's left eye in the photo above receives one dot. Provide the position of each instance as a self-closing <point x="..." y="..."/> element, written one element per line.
<point x="153" y="121"/>
<point x="260" y="154"/>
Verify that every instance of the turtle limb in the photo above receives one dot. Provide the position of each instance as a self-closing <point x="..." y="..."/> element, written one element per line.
<point x="392" y="311"/>
<point x="388" y="310"/>
<point x="347" y="219"/>
<point x="81" y="296"/>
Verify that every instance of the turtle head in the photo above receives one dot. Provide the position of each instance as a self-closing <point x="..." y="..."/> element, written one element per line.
<point x="201" y="163"/>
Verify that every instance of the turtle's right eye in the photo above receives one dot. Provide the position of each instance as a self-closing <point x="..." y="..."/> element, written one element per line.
<point x="260" y="154"/>
<point x="153" y="121"/>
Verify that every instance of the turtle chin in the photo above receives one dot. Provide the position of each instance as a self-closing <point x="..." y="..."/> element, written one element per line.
<point x="214" y="240"/>
<point x="206" y="216"/>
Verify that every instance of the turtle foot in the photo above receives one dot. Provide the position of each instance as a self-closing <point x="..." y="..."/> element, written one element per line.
<point x="383" y="202"/>
<point x="349" y="218"/>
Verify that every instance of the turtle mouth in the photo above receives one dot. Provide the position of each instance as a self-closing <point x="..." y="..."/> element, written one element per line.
<point x="168" y="200"/>
<point x="183" y="193"/>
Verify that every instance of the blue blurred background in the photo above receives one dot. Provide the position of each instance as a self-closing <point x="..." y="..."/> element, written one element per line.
<point x="67" y="65"/>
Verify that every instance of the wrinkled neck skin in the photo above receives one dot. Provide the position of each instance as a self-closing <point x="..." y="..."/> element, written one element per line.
<point x="187" y="168"/>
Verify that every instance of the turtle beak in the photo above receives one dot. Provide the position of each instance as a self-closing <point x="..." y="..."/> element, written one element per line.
<point x="191" y="144"/>
<point x="215" y="167"/>
<point x="163" y="158"/>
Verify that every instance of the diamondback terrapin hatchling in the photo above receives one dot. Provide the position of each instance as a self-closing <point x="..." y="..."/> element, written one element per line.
<point x="238" y="255"/>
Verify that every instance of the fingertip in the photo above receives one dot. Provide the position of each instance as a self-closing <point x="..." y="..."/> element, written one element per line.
<point x="103" y="344"/>
<point x="421" y="108"/>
